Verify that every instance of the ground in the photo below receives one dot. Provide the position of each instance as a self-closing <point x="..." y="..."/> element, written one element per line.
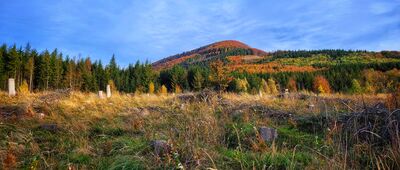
<point x="74" y="130"/>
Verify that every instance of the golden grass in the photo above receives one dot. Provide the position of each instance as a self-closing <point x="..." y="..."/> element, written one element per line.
<point x="196" y="130"/>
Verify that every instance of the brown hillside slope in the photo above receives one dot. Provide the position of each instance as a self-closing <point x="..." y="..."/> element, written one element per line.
<point x="204" y="53"/>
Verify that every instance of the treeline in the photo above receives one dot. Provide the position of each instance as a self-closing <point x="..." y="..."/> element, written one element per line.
<point x="51" y="70"/>
<point x="308" y="53"/>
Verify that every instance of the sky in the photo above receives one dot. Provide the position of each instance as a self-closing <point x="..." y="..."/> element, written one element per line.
<point x="153" y="29"/>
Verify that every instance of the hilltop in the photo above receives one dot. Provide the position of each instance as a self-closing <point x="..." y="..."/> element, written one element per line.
<point x="218" y="50"/>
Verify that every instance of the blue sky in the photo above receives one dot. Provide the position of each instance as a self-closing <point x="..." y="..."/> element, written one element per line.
<point x="153" y="29"/>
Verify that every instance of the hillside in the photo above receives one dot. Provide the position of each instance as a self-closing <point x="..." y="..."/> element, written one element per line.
<point x="240" y="57"/>
<point x="218" y="50"/>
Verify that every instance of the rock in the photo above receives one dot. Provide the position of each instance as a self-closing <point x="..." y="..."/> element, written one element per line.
<point x="188" y="98"/>
<point x="268" y="134"/>
<point x="160" y="147"/>
<point x="41" y="115"/>
<point x="49" y="127"/>
<point x="311" y="106"/>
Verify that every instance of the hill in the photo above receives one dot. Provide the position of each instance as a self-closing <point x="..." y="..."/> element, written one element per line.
<point x="218" y="50"/>
<point x="240" y="57"/>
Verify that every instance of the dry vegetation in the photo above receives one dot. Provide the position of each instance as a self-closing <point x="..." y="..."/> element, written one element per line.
<point x="62" y="130"/>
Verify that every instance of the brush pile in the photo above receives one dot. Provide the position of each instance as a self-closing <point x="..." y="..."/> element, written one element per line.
<point x="375" y="125"/>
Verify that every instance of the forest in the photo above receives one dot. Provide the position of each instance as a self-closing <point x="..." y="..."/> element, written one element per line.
<point x="52" y="70"/>
<point x="224" y="108"/>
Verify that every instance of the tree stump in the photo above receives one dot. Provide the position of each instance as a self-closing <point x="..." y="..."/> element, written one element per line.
<point x="108" y="91"/>
<point x="11" y="87"/>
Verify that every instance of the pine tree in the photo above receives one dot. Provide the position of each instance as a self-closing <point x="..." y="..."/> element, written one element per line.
<point x="195" y="78"/>
<point x="58" y="70"/>
<point x="30" y="67"/>
<point x="69" y="73"/>
<point x="44" y="70"/>
<point x="12" y="60"/>
<point x="2" y="65"/>
<point x="112" y="69"/>
<point x="88" y="83"/>
<point x="197" y="81"/>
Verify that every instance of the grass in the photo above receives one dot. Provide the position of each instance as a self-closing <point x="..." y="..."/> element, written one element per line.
<point x="116" y="133"/>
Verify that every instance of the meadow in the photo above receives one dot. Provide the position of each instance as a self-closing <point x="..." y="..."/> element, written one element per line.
<point x="203" y="130"/>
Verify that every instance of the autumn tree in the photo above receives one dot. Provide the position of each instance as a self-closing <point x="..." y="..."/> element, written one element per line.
<point x="355" y="87"/>
<point x="163" y="90"/>
<point x="292" y="85"/>
<point x="151" y="87"/>
<point x="241" y="85"/>
<point x="272" y="86"/>
<point x="264" y="87"/>
<point x="178" y="89"/>
<point x="321" y="85"/>
<point x="220" y="76"/>
<point x="23" y="88"/>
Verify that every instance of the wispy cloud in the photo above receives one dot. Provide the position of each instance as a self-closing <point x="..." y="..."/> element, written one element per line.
<point x="152" y="29"/>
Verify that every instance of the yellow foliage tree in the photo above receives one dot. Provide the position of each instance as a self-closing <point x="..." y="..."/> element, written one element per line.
<point x="163" y="90"/>
<point x="264" y="87"/>
<point x="178" y="89"/>
<point x="272" y="86"/>
<point x="241" y="85"/>
<point x="24" y="88"/>
<point x="151" y="88"/>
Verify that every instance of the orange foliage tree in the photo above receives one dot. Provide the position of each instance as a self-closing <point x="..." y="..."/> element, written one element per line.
<point x="292" y="85"/>
<point x="220" y="75"/>
<point x="321" y="85"/>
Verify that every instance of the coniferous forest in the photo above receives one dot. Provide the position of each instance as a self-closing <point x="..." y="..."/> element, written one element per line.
<point x="52" y="70"/>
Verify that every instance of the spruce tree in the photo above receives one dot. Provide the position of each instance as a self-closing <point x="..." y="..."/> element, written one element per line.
<point x="44" y="70"/>
<point x="30" y="67"/>
<point x="12" y="62"/>
<point x="2" y="65"/>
